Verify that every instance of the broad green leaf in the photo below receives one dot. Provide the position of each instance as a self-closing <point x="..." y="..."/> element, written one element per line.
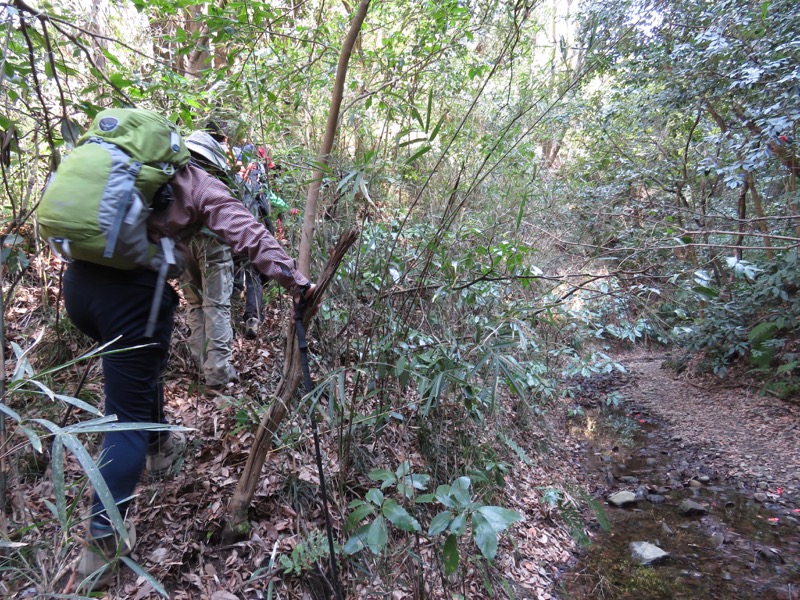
<point x="399" y="517"/>
<point x="459" y="525"/>
<point x="358" y="515"/>
<point x="450" y="554"/>
<point x="762" y="332"/>
<point x="358" y="541"/>
<point x="459" y="491"/>
<point x="381" y="475"/>
<point x="443" y="496"/>
<point x="403" y="470"/>
<point x="418" y="480"/>
<point x="375" y="496"/>
<point x="499" y="518"/>
<point x="377" y="535"/>
<point x="440" y="522"/>
<point x="484" y="535"/>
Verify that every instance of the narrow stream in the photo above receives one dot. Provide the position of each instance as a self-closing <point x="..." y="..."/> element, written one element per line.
<point x="746" y="546"/>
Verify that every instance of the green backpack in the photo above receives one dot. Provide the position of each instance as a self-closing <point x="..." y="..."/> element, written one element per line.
<point x="96" y="205"/>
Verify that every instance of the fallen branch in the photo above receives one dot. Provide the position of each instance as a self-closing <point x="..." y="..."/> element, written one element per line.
<point x="237" y="525"/>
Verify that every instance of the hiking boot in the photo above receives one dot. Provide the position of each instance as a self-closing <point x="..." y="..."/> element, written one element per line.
<point x="100" y="558"/>
<point x="165" y="458"/>
<point x="218" y="380"/>
<point x="251" y="328"/>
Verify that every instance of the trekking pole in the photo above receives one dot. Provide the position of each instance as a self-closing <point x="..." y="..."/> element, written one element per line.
<point x="302" y="345"/>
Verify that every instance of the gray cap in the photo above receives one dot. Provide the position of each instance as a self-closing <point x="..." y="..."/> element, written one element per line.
<point x="202" y="144"/>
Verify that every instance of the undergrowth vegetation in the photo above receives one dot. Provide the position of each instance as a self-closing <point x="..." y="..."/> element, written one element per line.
<point x="535" y="190"/>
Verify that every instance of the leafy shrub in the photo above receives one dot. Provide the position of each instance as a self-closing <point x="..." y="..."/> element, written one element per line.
<point x="753" y="322"/>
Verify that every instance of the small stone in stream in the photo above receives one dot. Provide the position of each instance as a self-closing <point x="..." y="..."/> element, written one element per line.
<point x="666" y="528"/>
<point x="655" y="498"/>
<point x="623" y="498"/>
<point x="690" y="507"/>
<point x="695" y="484"/>
<point x="646" y="553"/>
<point x="770" y="554"/>
<point x="651" y="462"/>
<point x="760" y="497"/>
<point x="717" y="539"/>
<point x="763" y="485"/>
<point x="704" y="479"/>
<point x="629" y="479"/>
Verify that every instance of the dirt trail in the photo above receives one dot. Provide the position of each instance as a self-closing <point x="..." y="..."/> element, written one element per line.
<point x="739" y="434"/>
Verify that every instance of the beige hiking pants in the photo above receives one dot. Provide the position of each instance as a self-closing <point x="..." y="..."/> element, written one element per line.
<point x="207" y="286"/>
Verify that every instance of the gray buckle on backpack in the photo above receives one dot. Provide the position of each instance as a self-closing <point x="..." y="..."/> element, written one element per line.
<point x="60" y="247"/>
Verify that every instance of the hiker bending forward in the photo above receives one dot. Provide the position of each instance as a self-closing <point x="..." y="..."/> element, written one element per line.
<point x="107" y="303"/>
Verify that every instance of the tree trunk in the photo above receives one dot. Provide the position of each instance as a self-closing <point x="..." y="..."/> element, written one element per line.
<point x="742" y="214"/>
<point x="762" y="222"/>
<point x="237" y="525"/>
<point x="312" y="199"/>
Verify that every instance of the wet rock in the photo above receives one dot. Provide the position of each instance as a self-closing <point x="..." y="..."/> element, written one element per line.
<point x="695" y="484"/>
<point x="646" y="553"/>
<point x="704" y="479"/>
<point x="629" y="479"/>
<point x="770" y="555"/>
<point x="655" y="498"/>
<point x="690" y="507"/>
<point x="651" y="462"/>
<point x="667" y="529"/>
<point x="763" y="485"/>
<point x="760" y="497"/>
<point x="623" y="498"/>
<point x="717" y="539"/>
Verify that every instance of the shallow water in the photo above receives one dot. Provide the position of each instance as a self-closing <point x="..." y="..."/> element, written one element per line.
<point x="741" y="549"/>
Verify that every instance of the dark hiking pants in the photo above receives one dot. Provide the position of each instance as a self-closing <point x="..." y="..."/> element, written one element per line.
<point x="107" y="303"/>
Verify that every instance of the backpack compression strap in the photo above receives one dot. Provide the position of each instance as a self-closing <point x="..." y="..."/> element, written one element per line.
<point x="128" y="192"/>
<point x="168" y="248"/>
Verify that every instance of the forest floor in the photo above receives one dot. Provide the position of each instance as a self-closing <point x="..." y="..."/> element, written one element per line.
<point x="730" y="434"/>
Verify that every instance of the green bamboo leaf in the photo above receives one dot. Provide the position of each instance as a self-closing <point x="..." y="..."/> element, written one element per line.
<point x="154" y="583"/>
<point x="59" y="482"/>
<point x="33" y="437"/>
<point x="78" y="403"/>
<point x="426" y="148"/>
<point x="10" y="412"/>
